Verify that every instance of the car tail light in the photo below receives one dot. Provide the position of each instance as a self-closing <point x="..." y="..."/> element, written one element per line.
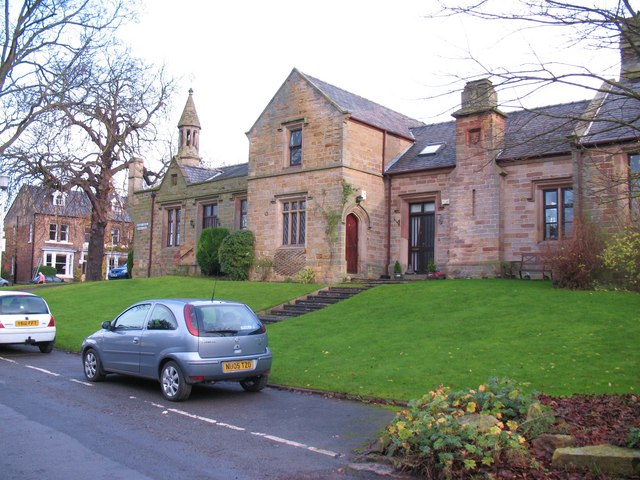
<point x="52" y="322"/>
<point x="1" y="325"/>
<point x="191" y="320"/>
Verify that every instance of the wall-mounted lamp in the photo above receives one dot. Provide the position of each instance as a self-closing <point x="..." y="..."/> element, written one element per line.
<point x="440" y="219"/>
<point x="4" y="182"/>
<point x="192" y="223"/>
<point x="359" y="198"/>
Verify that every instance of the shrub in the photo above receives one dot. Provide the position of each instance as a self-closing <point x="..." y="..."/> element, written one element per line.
<point x="236" y="254"/>
<point x="208" y="247"/>
<point x="622" y="255"/>
<point x="130" y="264"/>
<point x="305" y="276"/>
<point x="47" y="270"/>
<point x="633" y="441"/>
<point x="429" y="438"/>
<point x="263" y="266"/>
<point x="576" y="261"/>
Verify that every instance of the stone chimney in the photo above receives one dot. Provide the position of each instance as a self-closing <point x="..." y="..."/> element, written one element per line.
<point x="630" y="49"/>
<point x="477" y="97"/>
<point x="189" y="135"/>
<point x="136" y="179"/>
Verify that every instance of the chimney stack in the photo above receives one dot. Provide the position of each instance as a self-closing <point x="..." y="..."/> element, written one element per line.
<point x="477" y="97"/>
<point x="136" y="177"/>
<point x="630" y="49"/>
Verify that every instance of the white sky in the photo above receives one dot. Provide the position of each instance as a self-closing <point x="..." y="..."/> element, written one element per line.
<point x="236" y="54"/>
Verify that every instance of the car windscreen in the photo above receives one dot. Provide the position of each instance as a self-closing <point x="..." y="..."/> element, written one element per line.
<point x="22" y="305"/>
<point x="226" y="320"/>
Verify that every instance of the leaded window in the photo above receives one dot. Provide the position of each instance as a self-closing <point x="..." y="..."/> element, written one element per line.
<point x="210" y="215"/>
<point x="558" y="213"/>
<point x="294" y="220"/>
<point x="173" y="227"/>
<point x="295" y="147"/>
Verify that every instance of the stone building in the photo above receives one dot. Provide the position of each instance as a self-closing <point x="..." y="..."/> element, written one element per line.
<point x="347" y="187"/>
<point x="46" y="227"/>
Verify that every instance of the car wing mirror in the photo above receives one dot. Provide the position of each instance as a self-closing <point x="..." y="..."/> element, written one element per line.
<point x="107" y="325"/>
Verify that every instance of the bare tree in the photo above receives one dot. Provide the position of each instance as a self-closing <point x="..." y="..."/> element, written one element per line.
<point x="95" y="132"/>
<point x="614" y="113"/>
<point x="42" y="39"/>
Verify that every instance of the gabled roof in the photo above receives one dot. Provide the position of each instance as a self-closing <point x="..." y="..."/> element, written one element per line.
<point x="76" y="203"/>
<point x="365" y="110"/>
<point x="618" y="117"/>
<point x="202" y="174"/>
<point x="358" y="107"/>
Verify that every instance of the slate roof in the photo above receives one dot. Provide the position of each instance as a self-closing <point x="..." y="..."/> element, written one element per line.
<point x="445" y="157"/>
<point x="618" y="118"/>
<point x="365" y="110"/>
<point x="202" y="174"/>
<point x="541" y="131"/>
<point x="528" y="134"/>
<point x="76" y="203"/>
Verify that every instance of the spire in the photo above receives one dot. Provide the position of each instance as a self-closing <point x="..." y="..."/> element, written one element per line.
<point x="189" y="138"/>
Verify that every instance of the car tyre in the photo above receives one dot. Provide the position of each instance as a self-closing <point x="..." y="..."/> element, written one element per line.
<point x="254" y="384"/>
<point x="46" y="347"/>
<point x="173" y="383"/>
<point x="92" y="366"/>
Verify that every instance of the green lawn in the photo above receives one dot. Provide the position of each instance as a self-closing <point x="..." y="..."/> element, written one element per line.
<point x="399" y="341"/>
<point x="80" y="308"/>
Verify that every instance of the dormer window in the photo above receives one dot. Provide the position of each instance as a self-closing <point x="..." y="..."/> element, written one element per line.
<point x="431" y="149"/>
<point x="59" y="199"/>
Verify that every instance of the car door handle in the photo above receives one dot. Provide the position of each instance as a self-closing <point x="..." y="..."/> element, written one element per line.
<point x="136" y="340"/>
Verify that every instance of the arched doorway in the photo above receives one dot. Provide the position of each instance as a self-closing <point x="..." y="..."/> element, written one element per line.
<point x="351" y="247"/>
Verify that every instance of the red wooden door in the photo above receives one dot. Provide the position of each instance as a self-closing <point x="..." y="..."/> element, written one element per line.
<point x="351" y="250"/>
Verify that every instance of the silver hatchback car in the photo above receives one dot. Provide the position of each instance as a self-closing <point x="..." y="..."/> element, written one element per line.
<point x="181" y="342"/>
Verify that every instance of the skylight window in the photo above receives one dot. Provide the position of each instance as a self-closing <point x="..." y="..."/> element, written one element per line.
<point x="431" y="149"/>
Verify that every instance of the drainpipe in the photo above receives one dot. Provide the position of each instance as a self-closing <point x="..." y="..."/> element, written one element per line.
<point x="388" y="252"/>
<point x="33" y="247"/>
<point x="388" y="192"/>
<point x="153" y="205"/>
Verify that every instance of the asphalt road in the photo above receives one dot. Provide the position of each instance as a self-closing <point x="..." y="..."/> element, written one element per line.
<point x="55" y="425"/>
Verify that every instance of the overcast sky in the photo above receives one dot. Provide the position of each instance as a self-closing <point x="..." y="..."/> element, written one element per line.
<point x="236" y="54"/>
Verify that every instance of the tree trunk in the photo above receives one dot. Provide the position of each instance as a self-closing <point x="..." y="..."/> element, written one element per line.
<point x="95" y="255"/>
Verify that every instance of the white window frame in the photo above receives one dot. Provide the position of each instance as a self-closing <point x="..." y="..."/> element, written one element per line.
<point x="50" y="258"/>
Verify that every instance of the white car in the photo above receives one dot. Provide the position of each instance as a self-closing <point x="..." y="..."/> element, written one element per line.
<point x="25" y="318"/>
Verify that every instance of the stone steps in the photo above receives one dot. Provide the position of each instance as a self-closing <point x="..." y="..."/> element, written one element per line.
<point x="311" y="303"/>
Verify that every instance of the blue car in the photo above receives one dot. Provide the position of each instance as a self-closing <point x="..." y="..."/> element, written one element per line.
<point x="118" y="272"/>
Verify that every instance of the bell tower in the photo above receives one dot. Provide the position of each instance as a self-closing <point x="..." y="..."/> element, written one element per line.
<point x="189" y="135"/>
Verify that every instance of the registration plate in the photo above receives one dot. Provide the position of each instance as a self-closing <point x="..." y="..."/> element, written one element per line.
<point x="237" y="366"/>
<point x="27" y="323"/>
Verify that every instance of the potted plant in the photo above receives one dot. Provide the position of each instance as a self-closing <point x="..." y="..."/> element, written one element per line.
<point x="397" y="271"/>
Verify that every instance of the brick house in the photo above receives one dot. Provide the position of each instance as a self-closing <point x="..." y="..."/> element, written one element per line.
<point x="346" y="187"/>
<point x="46" y="227"/>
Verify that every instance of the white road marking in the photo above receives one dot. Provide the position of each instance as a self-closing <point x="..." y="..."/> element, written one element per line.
<point x="208" y="420"/>
<point x="43" y="370"/>
<point x="272" y="438"/>
<point x="81" y="382"/>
